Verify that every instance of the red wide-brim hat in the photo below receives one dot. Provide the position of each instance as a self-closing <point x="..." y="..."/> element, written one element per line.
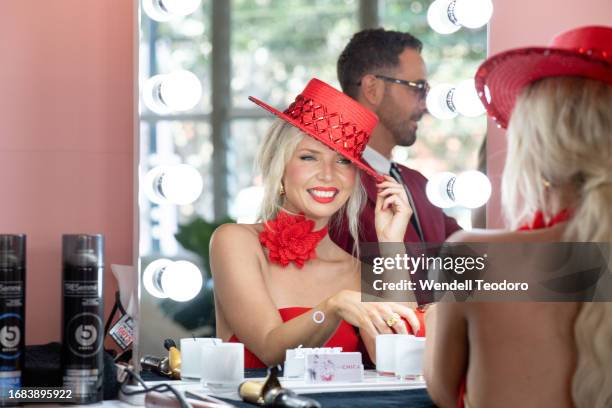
<point x="582" y="52"/>
<point x="333" y="118"/>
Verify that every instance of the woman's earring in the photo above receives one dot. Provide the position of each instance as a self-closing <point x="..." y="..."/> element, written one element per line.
<point x="546" y="182"/>
<point x="282" y="190"/>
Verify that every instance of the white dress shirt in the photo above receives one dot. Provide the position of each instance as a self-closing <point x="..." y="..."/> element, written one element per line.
<point x="379" y="162"/>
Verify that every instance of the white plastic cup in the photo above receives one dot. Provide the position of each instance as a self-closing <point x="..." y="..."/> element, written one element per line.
<point x="191" y="355"/>
<point x="385" y="353"/>
<point x="409" y="352"/>
<point x="222" y="365"/>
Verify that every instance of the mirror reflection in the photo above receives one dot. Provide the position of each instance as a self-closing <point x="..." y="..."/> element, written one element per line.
<point x="265" y="49"/>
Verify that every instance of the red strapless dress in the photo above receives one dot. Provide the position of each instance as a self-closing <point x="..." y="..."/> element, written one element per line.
<point x="537" y="223"/>
<point x="345" y="336"/>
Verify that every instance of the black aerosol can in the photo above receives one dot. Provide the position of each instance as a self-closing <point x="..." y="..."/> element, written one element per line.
<point x="12" y="314"/>
<point x="83" y="313"/>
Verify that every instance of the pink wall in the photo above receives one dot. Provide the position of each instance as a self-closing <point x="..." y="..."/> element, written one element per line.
<point x="519" y="23"/>
<point x="66" y="138"/>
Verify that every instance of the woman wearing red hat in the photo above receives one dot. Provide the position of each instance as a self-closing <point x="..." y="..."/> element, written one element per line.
<point x="557" y="186"/>
<point x="284" y="283"/>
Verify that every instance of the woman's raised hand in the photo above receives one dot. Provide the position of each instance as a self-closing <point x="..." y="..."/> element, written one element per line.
<point x="392" y="212"/>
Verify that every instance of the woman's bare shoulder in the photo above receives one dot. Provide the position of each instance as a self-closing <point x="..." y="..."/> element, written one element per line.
<point x="236" y="236"/>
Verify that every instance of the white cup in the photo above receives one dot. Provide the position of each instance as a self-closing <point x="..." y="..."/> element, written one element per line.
<point x="222" y="365"/>
<point x="409" y="352"/>
<point x="385" y="353"/>
<point x="191" y="356"/>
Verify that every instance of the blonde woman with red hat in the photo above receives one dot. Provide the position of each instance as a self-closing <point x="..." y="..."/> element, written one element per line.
<point x="283" y="283"/>
<point x="556" y="102"/>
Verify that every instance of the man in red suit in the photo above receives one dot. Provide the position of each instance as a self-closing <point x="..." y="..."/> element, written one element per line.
<point x="384" y="71"/>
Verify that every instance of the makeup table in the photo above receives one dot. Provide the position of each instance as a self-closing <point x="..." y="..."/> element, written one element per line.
<point x="374" y="391"/>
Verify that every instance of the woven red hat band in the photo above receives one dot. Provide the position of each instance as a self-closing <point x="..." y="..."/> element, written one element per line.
<point x="331" y="126"/>
<point x="353" y="112"/>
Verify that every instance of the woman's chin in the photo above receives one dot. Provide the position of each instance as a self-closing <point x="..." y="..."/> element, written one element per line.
<point x="319" y="211"/>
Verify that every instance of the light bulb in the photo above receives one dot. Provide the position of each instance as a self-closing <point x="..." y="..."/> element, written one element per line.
<point x="473" y="13"/>
<point x="181" y="90"/>
<point x="151" y="277"/>
<point x="466" y="100"/>
<point x="165" y="10"/>
<point x="439" y="189"/>
<point x="247" y="204"/>
<point x="439" y="101"/>
<point x="181" y="281"/>
<point x="438" y="19"/>
<point x="178" y="91"/>
<point x="472" y="189"/>
<point x="447" y="16"/>
<point x="178" y="184"/>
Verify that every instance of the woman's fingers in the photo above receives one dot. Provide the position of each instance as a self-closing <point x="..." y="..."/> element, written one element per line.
<point x="378" y="318"/>
<point x="407" y="314"/>
<point x="395" y="202"/>
<point x="400" y="327"/>
<point x="398" y="191"/>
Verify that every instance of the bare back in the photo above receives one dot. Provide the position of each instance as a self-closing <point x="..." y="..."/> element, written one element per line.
<point x="520" y="354"/>
<point x="516" y="354"/>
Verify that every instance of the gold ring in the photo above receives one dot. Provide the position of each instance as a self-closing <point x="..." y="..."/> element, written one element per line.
<point x="393" y="319"/>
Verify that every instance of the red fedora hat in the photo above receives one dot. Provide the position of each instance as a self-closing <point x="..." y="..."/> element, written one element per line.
<point x="581" y="52"/>
<point x="333" y="118"/>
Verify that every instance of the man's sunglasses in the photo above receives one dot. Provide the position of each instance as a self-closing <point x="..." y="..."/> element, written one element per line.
<point x="421" y="87"/>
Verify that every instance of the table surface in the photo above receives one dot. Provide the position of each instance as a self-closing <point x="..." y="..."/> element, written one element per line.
<point x="397" y="393"/>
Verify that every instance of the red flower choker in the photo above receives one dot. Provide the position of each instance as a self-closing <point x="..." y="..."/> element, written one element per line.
<point x="290" y="238"/>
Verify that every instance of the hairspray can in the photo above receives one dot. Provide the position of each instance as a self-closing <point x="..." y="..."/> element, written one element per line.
<point x="83" y="313"/>
<point x="12" y="314"/>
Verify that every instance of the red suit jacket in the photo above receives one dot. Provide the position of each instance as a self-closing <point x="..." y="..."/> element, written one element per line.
<point x="435" y="224"/>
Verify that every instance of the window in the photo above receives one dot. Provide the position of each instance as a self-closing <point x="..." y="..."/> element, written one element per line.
<point x="276" y="46"/>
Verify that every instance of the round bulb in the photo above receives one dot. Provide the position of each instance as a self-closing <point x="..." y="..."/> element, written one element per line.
<point x="181" y="7"/>
<point x="181" y="281"/>
<point x="473" y="13"/>
<point x="150" y="277"/>
<point x="437" y="189"/>
<point x="472" y="189"/>
<point x="151" y="184"/>
<point x="178" y="184"/>
<point x="438" y="19"/>
<point x="437" y="102"/>
<point x="466" y="99"/>
<point x="248" y="204"/>
<point x="165" y="10"/>
<point x="180" y="90"/>
<point x="151" y="95"/>
<point x="181" y="184"/>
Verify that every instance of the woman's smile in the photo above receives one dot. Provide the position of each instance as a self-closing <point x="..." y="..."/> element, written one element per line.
<point x="323" y="195"/>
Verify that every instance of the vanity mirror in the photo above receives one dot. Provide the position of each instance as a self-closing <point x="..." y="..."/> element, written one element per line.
<point x="267" y="48"/>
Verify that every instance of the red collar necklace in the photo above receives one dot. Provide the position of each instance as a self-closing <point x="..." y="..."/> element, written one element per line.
<point x="290" y="238"/>
<point x="539" y="222"/>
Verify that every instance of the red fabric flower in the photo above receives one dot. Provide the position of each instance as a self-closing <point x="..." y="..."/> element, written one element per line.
<point x="290" y="238"/>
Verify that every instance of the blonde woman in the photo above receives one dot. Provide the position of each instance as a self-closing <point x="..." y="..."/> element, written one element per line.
<point x="284" y="283"/>
<point x="557" y="186"/>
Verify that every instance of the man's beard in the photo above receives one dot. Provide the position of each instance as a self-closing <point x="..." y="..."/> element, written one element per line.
<point x="402" y="131"/>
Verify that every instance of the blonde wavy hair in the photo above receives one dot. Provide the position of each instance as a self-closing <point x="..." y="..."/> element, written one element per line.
<point x="560" y="140"/>
<point x="278" y="146"/>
